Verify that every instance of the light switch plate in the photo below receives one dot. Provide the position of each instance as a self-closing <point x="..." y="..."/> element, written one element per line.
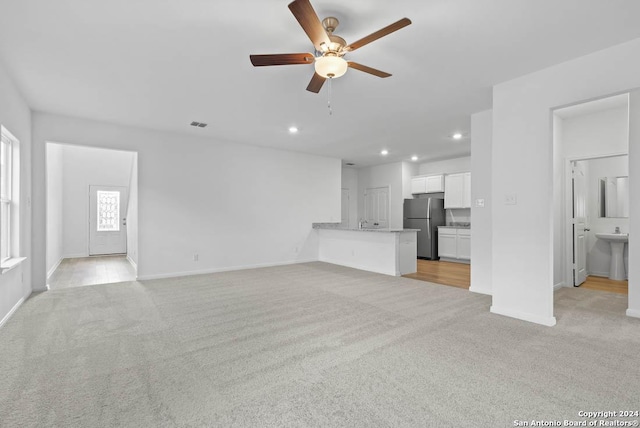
<point x="510" y="199"/>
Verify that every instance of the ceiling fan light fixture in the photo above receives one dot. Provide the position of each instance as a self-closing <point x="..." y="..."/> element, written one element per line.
<point x="330" y="66"/>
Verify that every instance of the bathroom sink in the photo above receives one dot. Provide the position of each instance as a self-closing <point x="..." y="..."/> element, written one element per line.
<point x="617" y="242"/>
<point x="615" y="237"/>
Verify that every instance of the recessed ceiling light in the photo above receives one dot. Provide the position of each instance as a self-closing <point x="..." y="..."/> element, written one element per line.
<point x="293" y="130"/>
<point x="384" y="152"/>
<point x="457" y="136"/>
<point x="414" y="158"/>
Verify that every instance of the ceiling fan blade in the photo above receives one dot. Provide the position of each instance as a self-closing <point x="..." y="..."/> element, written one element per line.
<point x="310" y="23"/>
<point x="316" y="83"/>
<point x="366" y="69"/>
<point x="378" y="34"/>
<point x="281" y="59"/>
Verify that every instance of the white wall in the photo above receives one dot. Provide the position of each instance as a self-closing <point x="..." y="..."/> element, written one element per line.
<point x="600" y="133"/>
<point x="408" y="170"/>
<point x="55" y="210"/>
<point x="350" y="181"/>
<point x="235" y="205"/>
<point x="599" y="251"/>
<point x="522" y="160"/>
<point x="634" y="205"/>
<point x="132" y="214"/>
<point x="447" y="166"/>
<point x="560" y="188"/>
<point x="382" y="176"/>
<point x="83" y="167"/>
<point x="481" y="238"/>
<point x="15" y="116"/>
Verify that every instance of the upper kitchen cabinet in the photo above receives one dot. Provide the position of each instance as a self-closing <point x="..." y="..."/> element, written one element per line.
<point x="427" y="184"/>
<point x="457" y="190"/>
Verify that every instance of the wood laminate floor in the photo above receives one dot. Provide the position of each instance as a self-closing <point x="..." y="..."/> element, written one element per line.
<point x="605" y="284"/>
<point x="90" y="271"/>
<point x="446" y="273"/>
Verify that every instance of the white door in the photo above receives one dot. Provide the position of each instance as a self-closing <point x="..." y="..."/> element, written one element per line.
<point x="579" y="223"/>
<point x="344" y="218"/>
<point x="376" y="207"/>
<point x="107" y="222"/>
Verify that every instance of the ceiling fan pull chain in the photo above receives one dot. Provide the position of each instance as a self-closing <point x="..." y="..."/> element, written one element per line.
<point x="329" y="97"/>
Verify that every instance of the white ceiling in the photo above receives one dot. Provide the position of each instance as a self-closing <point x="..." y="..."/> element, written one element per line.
<point x="161" y="64"/>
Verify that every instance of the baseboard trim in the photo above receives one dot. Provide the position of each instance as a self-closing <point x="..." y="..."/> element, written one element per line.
<point x="463" y="261"/>
<point x="12" y="311"/>
<point x="633" y="313"/>
<point x="558" y="286"/>
<point x="134" y="264"/>
<point x="525" y="316"/>
<point x="480" y="290"/>
<point x="53" y="269"/>
<point x="75" y="256"/>
<point x="216" y="270"/>
<point x="605" y="275"/>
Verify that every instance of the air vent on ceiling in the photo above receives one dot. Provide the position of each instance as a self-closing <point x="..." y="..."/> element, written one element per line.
<point x="349" y="164"/>
<point x="198" y="124"/>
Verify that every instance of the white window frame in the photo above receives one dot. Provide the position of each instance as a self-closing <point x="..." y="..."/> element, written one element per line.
<point x="11" y="259"/>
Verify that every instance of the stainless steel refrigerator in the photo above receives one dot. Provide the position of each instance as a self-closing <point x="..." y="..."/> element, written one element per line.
<point x="425" y="214"/>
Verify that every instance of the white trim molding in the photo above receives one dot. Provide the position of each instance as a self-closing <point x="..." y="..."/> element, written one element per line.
<point x="11" y="312"/>
<point x="480" y="290"/>
<point x="635" y="313"/>
<point x="546" y="321"/>
<point x="134" y="264"/>
<point x="53" y="269"/>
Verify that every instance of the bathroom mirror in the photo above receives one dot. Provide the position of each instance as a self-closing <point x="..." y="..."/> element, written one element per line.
<point x="613" y="197"/>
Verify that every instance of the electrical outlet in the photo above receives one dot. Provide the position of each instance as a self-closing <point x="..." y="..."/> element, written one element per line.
<point x="480" y="203"/>
<point x="510" y="199"/>
<point x="196" y="257"/>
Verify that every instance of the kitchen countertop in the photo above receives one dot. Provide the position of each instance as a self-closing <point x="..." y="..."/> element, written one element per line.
<point x="454" y="227"/>
<point x="336" y="226"/>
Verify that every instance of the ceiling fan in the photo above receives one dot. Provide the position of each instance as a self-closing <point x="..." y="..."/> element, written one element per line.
<point x="330" y="49"/>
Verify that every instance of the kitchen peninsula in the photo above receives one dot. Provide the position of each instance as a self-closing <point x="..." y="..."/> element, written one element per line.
<point x="387" y="251"/>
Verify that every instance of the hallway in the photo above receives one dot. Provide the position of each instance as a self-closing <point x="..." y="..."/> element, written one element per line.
<point x="90" y="271"/>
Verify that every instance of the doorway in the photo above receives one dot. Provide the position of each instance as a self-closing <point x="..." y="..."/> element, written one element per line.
<point x="591" y="143"/>
<point x="91" y="215"/>
<point x="108" y="220"/>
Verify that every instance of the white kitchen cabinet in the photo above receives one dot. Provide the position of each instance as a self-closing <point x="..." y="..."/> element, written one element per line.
<point x="463" y="242"/>
<point x="418" y="185"/>
<point x="454" y="244"/>
<point x="435" y="183"/>
<point x="457" y="190"/>
<point x="427" y="184"/>
<point x="447" y="246"/>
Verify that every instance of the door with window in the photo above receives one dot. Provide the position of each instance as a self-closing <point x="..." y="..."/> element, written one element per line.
<point x="376" y="207"/>
<point x="107" y="220"/>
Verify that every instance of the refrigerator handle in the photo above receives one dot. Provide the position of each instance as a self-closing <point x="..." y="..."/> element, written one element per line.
<point x="429" y="208"/>
<point x="428" y="227"/>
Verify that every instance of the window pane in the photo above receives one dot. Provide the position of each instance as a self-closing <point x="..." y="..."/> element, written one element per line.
<point x="108" y="211"/>
<point x="4" y="230"/>
<point x="5" y="170"/>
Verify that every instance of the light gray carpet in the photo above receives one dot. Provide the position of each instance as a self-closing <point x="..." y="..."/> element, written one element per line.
<point x="309" y="345"/>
